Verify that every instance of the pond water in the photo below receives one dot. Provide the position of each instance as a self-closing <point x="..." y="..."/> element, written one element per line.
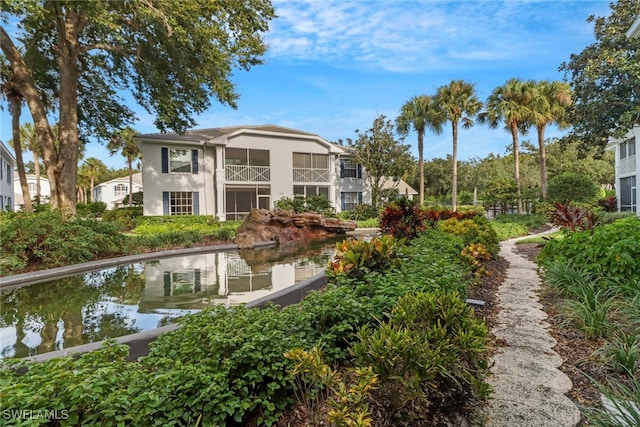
<point x="131" y="298"/>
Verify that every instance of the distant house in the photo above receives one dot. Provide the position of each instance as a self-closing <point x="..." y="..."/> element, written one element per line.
<point x="402" y="187"/>
<point x="7" y="165"/>
<point x="32" y="185"/>
<point x="113" y="193"/>
<point x="225" y="172"/>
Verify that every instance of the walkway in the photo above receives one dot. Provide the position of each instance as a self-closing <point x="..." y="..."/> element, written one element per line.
<point x="529" y="389"/>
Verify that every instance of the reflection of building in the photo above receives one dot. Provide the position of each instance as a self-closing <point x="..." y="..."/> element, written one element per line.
<point x="7" y="164"/>
<point x="218" y="278"/>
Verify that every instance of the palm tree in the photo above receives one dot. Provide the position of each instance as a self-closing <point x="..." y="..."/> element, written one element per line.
<point x="11" y="91"/>
<point x="419" y="113"/>
<point x="458" y="102"/>
<point x="511" y="103"/>
<point x="549" y="106"/>
<point x="30" y="141"/>
<point x="122" y="141"/>
<point x="95" y="168"/>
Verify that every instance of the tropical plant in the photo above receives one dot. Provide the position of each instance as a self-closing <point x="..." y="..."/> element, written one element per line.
<point x="458" y="103"/>
<point x="419" y="113"/>
<point x="571" y="186"/>
<point x="548" y="106"/>
<point x="122" y="141"/>
<point x="510" y="103"/>
<point x="93" y="169"/>
<point x="356" y="258"/>
<point x="403" y="219"/>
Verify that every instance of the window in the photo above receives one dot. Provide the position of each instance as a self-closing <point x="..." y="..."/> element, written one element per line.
<point x="33" y="188"/>
<point x="1" y="167"/>
<point x="240" y="200"/>
<point x="120" y="190"/>
<point x="246" y="157"/>
<point x="310" y="161"/>
<point x="179" y="160"/>
<point x="180" y="203"/>
<point x="310" y="190"/>
<point x="628" y="194"/>
<point x="350" y="199"/>
<point x="628" y="148"/>
<point x="9" y="173"/>
<point x="350" y="169"/>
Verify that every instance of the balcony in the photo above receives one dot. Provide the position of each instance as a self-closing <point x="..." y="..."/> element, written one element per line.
<point x="628" y="165"/>
<point x="310" y="175"/>
<point x="242" y="173"/>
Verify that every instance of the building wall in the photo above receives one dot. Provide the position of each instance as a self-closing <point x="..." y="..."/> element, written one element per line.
<point x="105" y="192"/>
<point x="630" y="166"/>
<point x="7" y="185"/>
<point x="45" y="190"/>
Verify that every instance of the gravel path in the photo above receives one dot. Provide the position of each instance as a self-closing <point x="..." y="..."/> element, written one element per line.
<point x="529" y="389"/>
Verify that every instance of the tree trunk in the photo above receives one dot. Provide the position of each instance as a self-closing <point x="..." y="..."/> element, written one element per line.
<point x="543" y="163"/>
<point x="16" y="110"/>
<point x="516" y="165"/>
<point x="68" y="153"/>
<point x="421" y="164"/>
<point x="454" y="185"/>
<point x="36" y="167"/>
<point x="27" y="87"/>
<point x="129" y="163"/>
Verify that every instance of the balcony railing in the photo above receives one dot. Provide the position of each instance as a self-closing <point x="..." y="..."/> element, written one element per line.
<point x="628" y="165"/>
<point x="310" y="175"/>
<point x="241" y="173"/>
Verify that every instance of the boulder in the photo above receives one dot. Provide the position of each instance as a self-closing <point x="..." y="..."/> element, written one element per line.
<point x="283" y="226"/>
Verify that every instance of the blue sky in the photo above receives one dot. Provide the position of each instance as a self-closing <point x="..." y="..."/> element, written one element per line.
<point x="335" y="65"/>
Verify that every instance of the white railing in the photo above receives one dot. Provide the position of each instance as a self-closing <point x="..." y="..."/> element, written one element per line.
<point x="310" y="175"/>
<point x="240" y="173"/>
<point x="628" y="165"/>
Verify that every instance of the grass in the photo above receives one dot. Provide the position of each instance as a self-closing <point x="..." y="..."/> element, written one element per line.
<point x="510" y="226"/>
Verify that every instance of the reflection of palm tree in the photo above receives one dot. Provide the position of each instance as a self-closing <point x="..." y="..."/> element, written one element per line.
<point x="48" y="335"/>
<point x="511" y="103"/>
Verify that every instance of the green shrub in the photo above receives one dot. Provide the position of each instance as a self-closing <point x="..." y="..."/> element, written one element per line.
<point x="48" y="240"/>
<point x="432" y="351"/>
<point x="92" y="208"/>
<point x="361" y="212"/>
<point x="356" y="258"/>
<point x="611" y="250"/>
<point x="573" y="187"/>
<point x="368" y="223"/>
<point x="126" y="217"/>
<point x="319" y="204"/>
<point x="475" y="230"/>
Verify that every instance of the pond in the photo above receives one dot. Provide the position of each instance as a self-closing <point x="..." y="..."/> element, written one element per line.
<point x="132" y="298"/>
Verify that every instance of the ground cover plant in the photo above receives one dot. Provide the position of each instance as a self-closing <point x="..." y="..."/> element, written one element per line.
<point x="226" y="366"/>
<point x="510" y="226"/>
<point x="593" y="274"/>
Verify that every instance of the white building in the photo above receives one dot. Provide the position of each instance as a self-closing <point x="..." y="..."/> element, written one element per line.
<point x="7" y="165"/>
<point x="225" y="172"/>
<point x="113" y="193"/>
<point x="627" y="169"/>
<point x="32" y="185"/>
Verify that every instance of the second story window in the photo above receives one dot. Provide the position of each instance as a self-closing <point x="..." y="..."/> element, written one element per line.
<point x="120" y="190"/>
<point x="246" y="157"/>
<point x="628" y="148"/>
<point x="350" y="169"/>
<point x="179" y="160"/>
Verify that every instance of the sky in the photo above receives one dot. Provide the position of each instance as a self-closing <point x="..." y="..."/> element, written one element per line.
<point x="333" y="66"/>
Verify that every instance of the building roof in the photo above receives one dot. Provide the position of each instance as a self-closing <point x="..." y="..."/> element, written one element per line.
<point x="137" y="179"/>
<point x="6" y="154"/>
<point x="403" y="188"/>
<point x="202" y="135"/>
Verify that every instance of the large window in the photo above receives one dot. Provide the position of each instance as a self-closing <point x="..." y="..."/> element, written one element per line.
<point x="240" y="200"/>
<point x="246" y="157"/>
<point x="350" y="169"/>
<point x="310" y="161"/>
<point x="120" y="190"/>
<point x="628" y="194"/>
<point x="179" y="160"/>
<point x="350" y="199"/>
<point x="628" y="148"/>
<point x="310" y="190"/>
<point x="180" y="203"/>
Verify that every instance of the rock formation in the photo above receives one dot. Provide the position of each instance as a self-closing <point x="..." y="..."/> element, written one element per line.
<point x="283" y="226"/>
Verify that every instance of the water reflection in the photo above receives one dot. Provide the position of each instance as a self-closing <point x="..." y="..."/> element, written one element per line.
<point x="131" y="298"/>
